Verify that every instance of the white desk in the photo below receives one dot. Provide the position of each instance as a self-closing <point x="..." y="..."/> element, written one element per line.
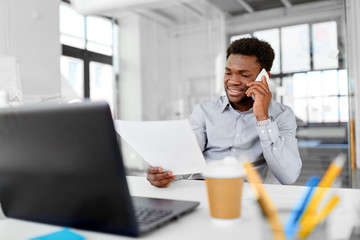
<point x="198" y="225"/>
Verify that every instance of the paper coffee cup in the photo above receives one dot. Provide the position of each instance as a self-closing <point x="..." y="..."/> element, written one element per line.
<point x="224" y="182"/>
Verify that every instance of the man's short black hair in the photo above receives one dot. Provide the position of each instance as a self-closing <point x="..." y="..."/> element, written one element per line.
<point x="253" y="47"/>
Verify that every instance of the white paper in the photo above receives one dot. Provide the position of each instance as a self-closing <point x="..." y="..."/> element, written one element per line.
<point x="171" y="145"/>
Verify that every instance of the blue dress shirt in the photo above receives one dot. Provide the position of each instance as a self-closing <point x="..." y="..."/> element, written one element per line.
<point x="223" y="131"/>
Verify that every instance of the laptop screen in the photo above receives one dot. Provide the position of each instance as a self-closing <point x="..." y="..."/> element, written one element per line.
<point x="61" y="164"/>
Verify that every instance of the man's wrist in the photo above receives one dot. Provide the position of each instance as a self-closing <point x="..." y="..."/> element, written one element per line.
<point x="262" y="118"/>
<point x="265" y="122"/>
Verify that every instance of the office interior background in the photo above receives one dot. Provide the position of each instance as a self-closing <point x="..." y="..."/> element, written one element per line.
<point x="153" y="60"/>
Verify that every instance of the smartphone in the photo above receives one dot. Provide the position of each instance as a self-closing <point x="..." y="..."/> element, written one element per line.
<point x="259" y="78"/>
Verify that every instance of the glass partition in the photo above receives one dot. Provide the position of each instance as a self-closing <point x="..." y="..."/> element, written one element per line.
<point x="172" y="56"/>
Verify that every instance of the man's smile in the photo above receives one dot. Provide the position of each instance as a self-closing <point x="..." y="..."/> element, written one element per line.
<point x="235" y="89"/>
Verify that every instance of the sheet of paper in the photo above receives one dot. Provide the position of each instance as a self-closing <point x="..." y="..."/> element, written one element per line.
<point x="171" y="144"/>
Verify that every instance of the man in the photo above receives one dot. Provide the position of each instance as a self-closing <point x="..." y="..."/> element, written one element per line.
<point x="263" y="130"/>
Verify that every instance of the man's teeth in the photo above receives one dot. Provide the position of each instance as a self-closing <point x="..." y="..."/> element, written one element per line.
<point x="233" y="90"/>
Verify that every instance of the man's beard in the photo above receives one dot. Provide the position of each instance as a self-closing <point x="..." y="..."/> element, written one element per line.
<point x="245" y="99"/>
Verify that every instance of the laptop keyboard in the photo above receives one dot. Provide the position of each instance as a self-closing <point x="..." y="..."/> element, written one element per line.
<point x="145" y="216"/>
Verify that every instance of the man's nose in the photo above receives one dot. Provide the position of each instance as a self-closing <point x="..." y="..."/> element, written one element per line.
<point x="236" y="80"/>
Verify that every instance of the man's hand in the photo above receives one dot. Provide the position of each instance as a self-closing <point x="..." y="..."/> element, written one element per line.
<point x="263" y="98"/>
<point x="158" y="178"/>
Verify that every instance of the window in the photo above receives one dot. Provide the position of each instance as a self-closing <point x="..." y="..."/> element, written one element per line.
<point x="307" y="74"/>
<point x="233" y="38"/>
<point x="325" y="45"/>
<point x="99" y="35"/>
<point x="86" y="61"/>
<point x="71" y="27"/>
<point x="101" y="81"/>
<point x="272" y="37"/>
<point x="318" y="96"/>
<point x="295" y="48"/>
<point x="72" y="68"/>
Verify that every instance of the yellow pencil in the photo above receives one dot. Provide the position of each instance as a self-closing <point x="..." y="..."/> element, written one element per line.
<point x="330" y="175"/>
<point x="312" y="222"/>
<point x="333" y="171"/>
<point x="265" y="202"/>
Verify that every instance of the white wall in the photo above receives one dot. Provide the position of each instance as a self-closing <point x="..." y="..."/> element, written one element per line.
<point x="160" y="66"/>
<point x="29" y="31"/>
<point x="130" y="92"/>
<point x="158" y="54"/>
<point x="162" y="69"/>
<point x="202" y="61"/>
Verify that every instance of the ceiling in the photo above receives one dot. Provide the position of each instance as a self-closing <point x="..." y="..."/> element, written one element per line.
<point x="239" y="7"/>
<point x="181" y="12"/>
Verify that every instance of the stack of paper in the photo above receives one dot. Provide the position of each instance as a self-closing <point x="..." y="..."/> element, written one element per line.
<point x="171" y="145"/>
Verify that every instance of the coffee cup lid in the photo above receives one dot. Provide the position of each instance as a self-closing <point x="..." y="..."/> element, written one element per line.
<point x="229" y="167"/>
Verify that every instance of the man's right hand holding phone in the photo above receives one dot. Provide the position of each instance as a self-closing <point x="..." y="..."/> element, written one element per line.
<point x="159" y="178"/>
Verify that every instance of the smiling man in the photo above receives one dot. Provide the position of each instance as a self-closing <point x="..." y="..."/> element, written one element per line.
<point x="238" y="125"/>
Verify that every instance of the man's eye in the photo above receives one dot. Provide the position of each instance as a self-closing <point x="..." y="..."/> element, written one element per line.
<point x="227" y="73"/>
<point x="246" y="76"/>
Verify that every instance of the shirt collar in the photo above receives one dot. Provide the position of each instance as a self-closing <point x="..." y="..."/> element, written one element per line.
<point x="226" y="104"/>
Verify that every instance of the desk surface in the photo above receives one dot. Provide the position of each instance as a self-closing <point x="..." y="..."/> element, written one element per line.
<point x="198" y="224"/>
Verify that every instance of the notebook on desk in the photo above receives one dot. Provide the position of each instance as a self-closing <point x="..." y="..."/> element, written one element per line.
<point x="62" y="165"/>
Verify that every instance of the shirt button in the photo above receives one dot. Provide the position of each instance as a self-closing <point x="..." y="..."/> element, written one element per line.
<point x="233" y="150"/>
<point x="269" y="130"/>
<point x="237" y="135"/>
<point x="274" y="148"/>
<point x="262" y="131"/>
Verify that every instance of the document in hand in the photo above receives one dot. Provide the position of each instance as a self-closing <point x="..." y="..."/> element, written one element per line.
<point x="171" y="144"/>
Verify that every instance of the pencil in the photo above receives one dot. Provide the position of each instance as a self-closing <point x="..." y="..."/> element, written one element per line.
<point x="295" y="215"/>
<point x="330" y="175"/>
<point x="265" y="202"/>
<point x="312" y="222"/>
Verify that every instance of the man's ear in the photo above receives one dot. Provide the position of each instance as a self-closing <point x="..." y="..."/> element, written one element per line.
<point x="269" y="74"/>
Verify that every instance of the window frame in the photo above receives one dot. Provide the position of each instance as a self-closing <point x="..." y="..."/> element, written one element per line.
<point x="87" y="56"/>
<point x="281" y="75"/>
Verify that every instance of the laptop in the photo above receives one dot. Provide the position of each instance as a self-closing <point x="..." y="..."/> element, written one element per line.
<point x="61" y="164"/>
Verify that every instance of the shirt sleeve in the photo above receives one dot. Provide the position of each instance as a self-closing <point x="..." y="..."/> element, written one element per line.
<point x="280" y="147"/>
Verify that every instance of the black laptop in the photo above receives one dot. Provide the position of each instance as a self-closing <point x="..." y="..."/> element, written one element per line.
<point x="61" y="164"/>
